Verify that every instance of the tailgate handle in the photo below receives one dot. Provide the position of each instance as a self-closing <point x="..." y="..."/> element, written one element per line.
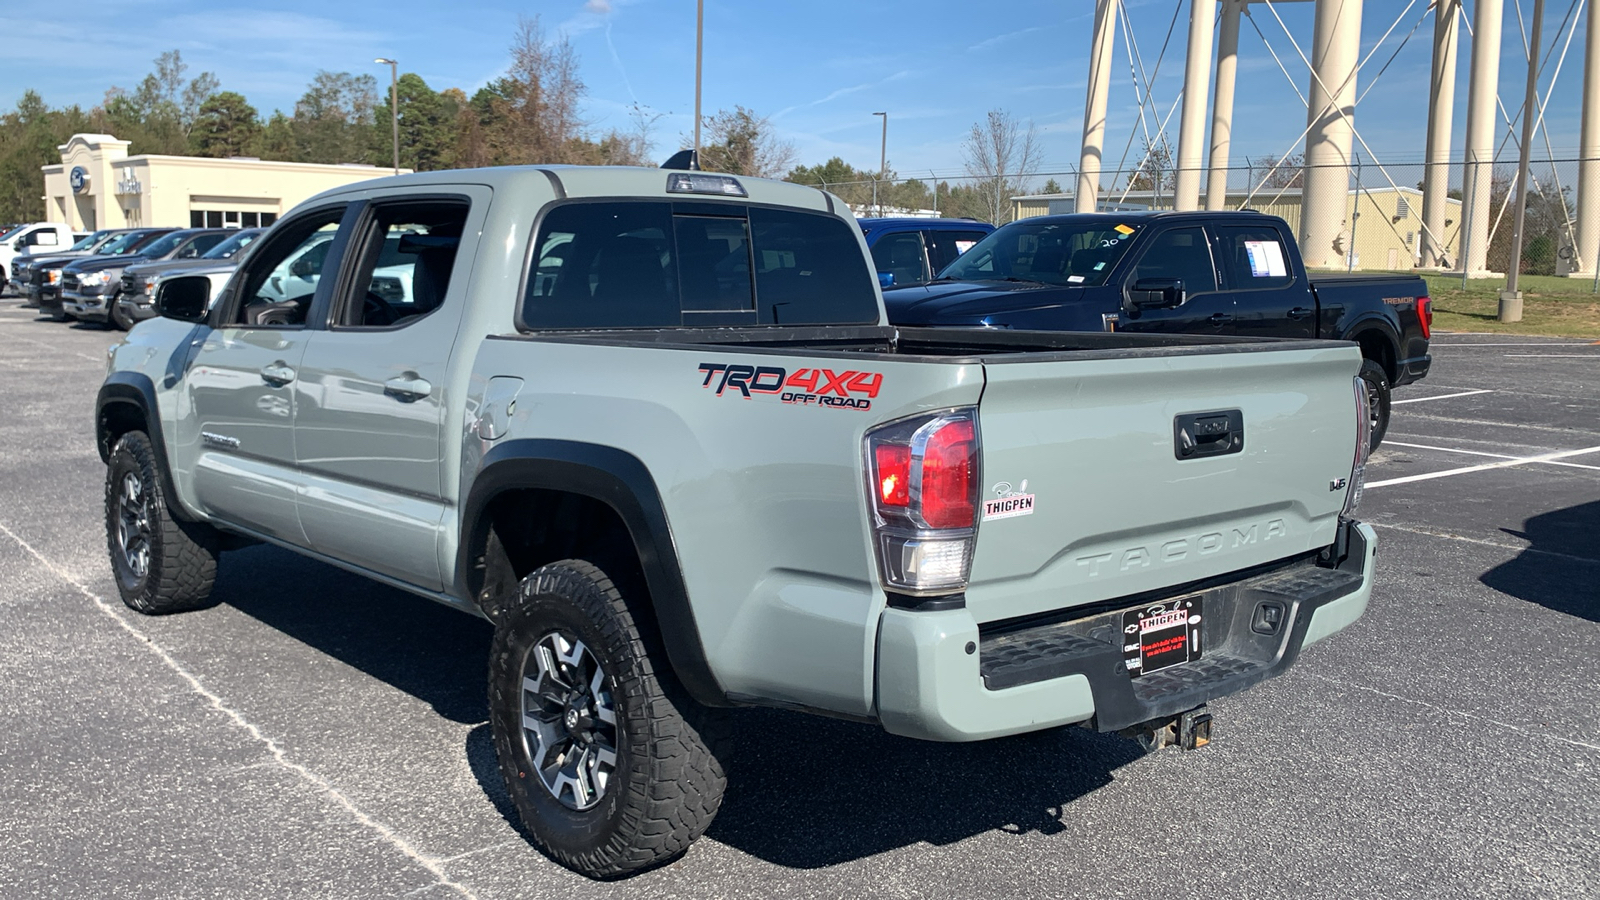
<point x="1216" y="433"/>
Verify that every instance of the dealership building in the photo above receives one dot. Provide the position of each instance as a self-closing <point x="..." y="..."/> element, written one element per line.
<point x="98" y="185"/>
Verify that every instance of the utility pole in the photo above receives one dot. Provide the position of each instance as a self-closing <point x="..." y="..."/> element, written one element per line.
<point x="883" y="161"/>
<point x="1511" y="298"/>
<point x="699" y="51"/>
<point x="394" y="105"/>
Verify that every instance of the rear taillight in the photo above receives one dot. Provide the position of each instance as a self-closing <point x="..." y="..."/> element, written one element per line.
<point x="1358" y="466"/>
<point x="924" y="485"/>
<point x="1425" y="314"/>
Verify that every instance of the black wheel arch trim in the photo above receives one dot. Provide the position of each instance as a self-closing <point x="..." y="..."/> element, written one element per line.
<point x="1374" y="322"/>
<point x="622" y="482"/>
<point x="135" y="389"/>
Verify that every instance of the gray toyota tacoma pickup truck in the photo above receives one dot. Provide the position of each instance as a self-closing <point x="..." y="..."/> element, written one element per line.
<point x="655" y="427"/>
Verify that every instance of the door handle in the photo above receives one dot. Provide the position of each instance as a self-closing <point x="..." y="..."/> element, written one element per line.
<point x="1299" y="312"/>
<point x="277" y="374"/>
<point x="1219" y="318"/>
<point x="407" y="388"/>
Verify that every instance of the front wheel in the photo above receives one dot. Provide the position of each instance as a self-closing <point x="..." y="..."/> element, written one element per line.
<point x="609" y="763"/>
<point x="1377" y="382"/>
<point x="162" y="565"/>
<point x="119" y="319"/>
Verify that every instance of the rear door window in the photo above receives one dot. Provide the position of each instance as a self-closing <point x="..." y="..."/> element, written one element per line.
<point x="649" y="264"/>
<point x="1254" y="257"/>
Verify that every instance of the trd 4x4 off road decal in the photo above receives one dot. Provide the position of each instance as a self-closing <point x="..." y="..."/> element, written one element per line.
<point x="847" y="389"/>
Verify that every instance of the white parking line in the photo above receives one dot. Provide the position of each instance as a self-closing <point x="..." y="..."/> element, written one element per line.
<point x="1513" y="461"/>
<point x="1513" y="344"/>
<point x="1552" y="356"/>
<point x="274" y="750"/>
<point x="1440" y="397"/>
<point x="1548" y="462"/>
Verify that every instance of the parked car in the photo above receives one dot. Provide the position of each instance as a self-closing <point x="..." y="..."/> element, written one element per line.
<point x="44" y="282"/>
<point x="37" y="237"/>
<point x="908" y="251"/>
<point x="89" y="287"/>
<point x="135" y="302"/>
<point x="1216" y="273"/>
<point x="24" y="266"/>
<point x="656" y="427"/>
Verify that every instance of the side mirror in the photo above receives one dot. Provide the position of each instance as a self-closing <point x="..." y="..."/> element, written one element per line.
<point x="186" y="298"/>
<point x="885" y="279"/>
<point x="1157" y="293"/>
<point x="301" y="268"/>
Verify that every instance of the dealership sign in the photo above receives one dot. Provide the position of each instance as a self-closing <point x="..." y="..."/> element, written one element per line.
<point x="79" y="179"/>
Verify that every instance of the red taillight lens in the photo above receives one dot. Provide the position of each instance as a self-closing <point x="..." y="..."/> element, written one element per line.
<point x="1425" y="313"/>
<point x="947" y="470"/>
<point x="892" y="474"/>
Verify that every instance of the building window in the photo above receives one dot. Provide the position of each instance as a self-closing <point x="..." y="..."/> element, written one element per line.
<point x="230" y="218"/>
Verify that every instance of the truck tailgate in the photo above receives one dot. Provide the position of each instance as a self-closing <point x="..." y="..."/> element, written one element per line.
<point x="1103" y="507"/>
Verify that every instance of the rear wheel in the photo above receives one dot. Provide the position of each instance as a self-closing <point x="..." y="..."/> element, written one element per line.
<point x="609" y="763"/>
<point x="1377" y="382"/>
<point x="162" y="565"/>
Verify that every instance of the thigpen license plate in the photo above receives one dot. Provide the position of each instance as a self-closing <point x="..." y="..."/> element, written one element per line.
<point x="1161" y="635"/>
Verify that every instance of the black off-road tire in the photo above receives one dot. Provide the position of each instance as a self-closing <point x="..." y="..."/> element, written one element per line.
<point x="668" y="781"/>
<point x="1377" y="398"/>
<point x="180" y="557"/>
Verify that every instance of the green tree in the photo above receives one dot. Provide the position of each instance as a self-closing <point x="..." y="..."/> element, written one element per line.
<point x="427" y="125"/>
<point x="29" y="136"/>
<point x="225" y="125"/>
<point x="333" y="119"/>
<point x="156" y="116"/>
<point x="278" y="139"/>
<point x="1051" y="187"/>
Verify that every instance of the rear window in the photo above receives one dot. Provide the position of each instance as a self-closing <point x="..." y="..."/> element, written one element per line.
<point x="653" y="264"/>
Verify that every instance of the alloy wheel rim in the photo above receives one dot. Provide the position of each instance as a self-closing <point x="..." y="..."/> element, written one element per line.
<point x="569" y="720"/>
<point x="133" y="525"/>
<point x="1373" y="413"/>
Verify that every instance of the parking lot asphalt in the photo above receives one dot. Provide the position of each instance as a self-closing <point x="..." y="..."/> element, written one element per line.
<point x="318" y="735"/>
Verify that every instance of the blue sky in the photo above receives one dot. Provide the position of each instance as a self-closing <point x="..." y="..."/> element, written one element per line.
<point x="818" y="69"/>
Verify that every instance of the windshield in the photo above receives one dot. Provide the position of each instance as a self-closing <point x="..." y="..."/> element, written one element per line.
<point x="122" y="243"/>
<point x="232" y="245"/>
<point x="87" y="242"/>
<point x="1078" y="253"/>
<point x="162" y="246"/>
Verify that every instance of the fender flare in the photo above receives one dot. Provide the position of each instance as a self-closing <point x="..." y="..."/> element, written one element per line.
<point x="1370" y="322"/>
<point x="136" y="390"/>
<point x="621" y="481"/>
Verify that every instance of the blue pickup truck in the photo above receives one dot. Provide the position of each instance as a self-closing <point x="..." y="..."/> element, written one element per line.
<point x="1215" y="273"/>
<point x="910" y="251"/>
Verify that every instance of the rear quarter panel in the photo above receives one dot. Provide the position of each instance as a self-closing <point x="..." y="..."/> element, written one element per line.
<point x="766" y="500"/>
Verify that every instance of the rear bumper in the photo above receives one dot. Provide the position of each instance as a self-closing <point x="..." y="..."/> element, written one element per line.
<point x="1413" y="369"/>
<point x="940" y="679"/>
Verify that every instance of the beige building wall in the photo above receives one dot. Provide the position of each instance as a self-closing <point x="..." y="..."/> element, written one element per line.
<point x="177" y="191"/>
<point x="1387" y="233"/>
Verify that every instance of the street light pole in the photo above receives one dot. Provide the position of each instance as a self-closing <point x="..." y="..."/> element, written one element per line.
<point x="699" y="50"/>
<point x="883" y="160"/>
<point x="394" y="105"/>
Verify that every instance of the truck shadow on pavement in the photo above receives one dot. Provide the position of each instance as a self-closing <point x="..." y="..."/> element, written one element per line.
<point x="432" y="652"/>
<point x="1560" y="569"/>
<point x="803" y="791"/>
